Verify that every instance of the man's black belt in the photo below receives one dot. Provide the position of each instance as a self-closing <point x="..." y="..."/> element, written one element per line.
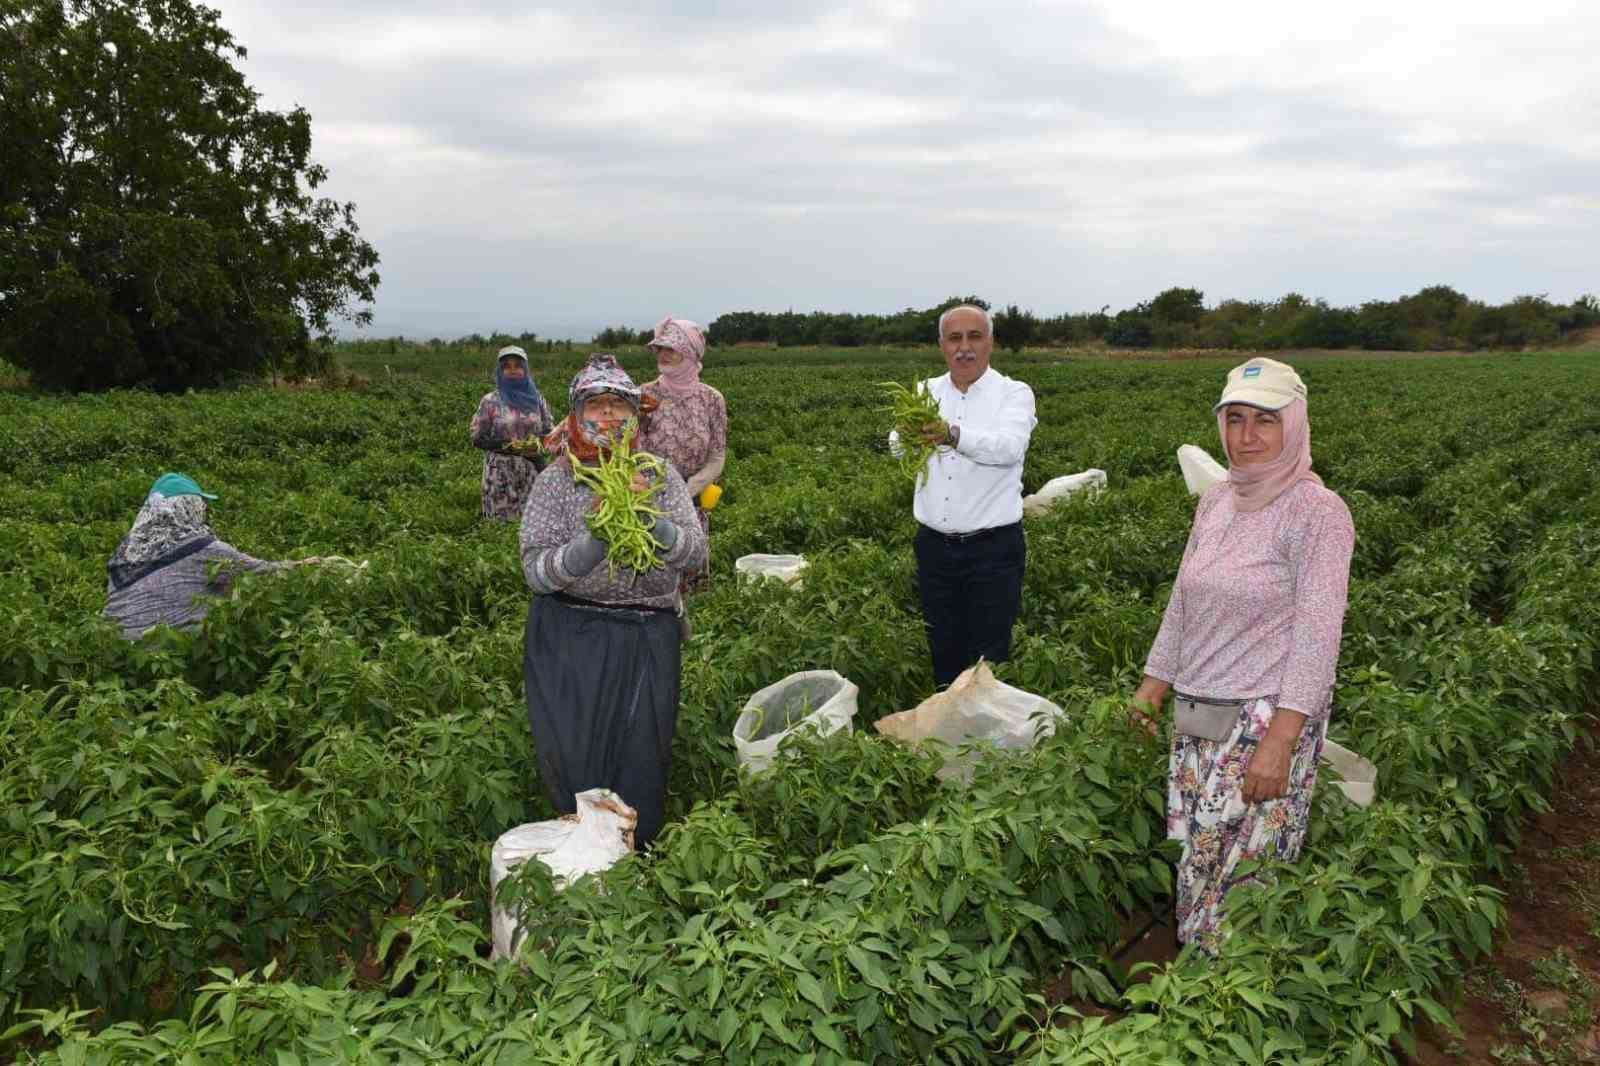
<point x="977" y="534"/>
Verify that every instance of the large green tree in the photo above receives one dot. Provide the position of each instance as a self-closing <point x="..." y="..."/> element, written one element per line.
<point x="157" y="226"/>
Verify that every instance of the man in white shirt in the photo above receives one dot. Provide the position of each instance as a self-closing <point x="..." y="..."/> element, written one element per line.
<point x="970" y="549"/>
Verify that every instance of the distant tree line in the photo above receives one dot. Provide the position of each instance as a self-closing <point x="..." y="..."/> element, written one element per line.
<point x="1435" y="318"/>
<point x="528" y="341"/>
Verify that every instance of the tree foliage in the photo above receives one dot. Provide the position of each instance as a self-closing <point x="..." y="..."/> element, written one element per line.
<point x="156" y="225"/>
<point x="1014" y="328"/>
<point x="1434" y="318"/>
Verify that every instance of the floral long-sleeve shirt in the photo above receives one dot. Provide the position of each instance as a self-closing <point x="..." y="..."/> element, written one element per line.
<point x="1258" y="606"/>
<point x="553" y="523"/>
<point x="506" y="477"/>
<point x="690" y="431"/>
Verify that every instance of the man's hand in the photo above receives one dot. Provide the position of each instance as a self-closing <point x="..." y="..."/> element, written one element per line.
<point x="937" y="432"/>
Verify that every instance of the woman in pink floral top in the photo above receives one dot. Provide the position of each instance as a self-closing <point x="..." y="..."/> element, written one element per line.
<point x="514" y="411"/>
<point x="1254" y="622"/>
<point x="689" y="427"/>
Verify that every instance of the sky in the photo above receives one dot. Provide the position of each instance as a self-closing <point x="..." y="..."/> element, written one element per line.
<point x="561" y="167"/>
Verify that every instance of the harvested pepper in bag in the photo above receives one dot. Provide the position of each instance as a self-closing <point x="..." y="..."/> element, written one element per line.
<point x="912" y="409"/>
<point x="626" y="516"/>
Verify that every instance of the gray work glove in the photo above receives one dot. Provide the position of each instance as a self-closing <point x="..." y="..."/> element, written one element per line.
<point x="583" y="553"/>
<point x="665" y="531"/>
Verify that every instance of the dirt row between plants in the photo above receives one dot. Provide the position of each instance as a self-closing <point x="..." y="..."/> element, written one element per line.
<point x="1536" y="1000"/>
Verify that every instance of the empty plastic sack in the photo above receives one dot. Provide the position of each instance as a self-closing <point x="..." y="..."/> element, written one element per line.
<point x="1200" y="471"/>
<point x="786" y="568"/>
<point x="1360" y="777"/>
<point x="1057" y="489"/>
<point x="819" y="700"/>
<point x="976" y="707"/>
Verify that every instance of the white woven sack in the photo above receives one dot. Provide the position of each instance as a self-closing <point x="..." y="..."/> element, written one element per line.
<point x="1200" y="471"/>
<point x="821" y="700"/>
<point x="786" y="568"/>
<point x="1057" y="489"/>
<point x="976" y="707"/>
<point x="1360" y="777"/>
<point x="592" y="840"/>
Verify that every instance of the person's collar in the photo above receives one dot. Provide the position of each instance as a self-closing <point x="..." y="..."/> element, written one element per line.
<point x="979" y="383"/>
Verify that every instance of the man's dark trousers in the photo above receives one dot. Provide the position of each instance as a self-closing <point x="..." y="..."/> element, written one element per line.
<point x="971" y="590"/>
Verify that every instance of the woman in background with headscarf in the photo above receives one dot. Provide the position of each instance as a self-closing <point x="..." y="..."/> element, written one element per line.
<point x="514" y="412"/>
<point x="1248" y="644"/>
<point x="689" y="427"/>
<point x="602" y="647"/>
<point x="161" y="573"/>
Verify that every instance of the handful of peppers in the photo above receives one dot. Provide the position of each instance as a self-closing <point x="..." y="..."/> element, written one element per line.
<point x="626" y="516"/>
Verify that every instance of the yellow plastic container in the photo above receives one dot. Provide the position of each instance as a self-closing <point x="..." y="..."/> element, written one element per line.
<point x="709" y="497"/>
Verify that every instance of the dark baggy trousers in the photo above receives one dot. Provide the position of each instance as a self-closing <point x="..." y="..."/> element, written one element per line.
<point x="602" y="690"/>
<point x="971" y="592"/>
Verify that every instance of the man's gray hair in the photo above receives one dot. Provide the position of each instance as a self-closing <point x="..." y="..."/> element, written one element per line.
<point x="988" y="316"/>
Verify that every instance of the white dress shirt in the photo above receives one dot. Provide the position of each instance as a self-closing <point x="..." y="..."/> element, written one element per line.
<point x="978" y="483"/>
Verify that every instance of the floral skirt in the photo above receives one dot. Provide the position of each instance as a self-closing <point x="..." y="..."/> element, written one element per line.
<point x="1219" y="830"/>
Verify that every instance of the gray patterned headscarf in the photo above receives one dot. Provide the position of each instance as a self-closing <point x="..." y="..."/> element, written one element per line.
<point x="164" y="523"/>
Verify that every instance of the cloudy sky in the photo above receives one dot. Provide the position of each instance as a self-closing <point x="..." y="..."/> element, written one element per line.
<point x="558" y="167"/>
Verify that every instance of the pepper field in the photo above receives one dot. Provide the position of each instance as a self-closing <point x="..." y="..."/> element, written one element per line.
<point x="269" y="841"/>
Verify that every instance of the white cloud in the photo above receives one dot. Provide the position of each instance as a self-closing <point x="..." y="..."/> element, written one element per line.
<point x="711" y="156"/>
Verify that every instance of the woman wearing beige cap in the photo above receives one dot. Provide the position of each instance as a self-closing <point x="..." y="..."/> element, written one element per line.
<point x="1248" y="647"/>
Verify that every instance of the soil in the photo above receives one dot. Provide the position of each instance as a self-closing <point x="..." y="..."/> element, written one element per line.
<point x="1536" y="1000"/>
<point x="1524" y="1003"/>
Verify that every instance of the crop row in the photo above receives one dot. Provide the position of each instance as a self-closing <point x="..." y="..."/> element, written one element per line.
<point x="310" y="784"/>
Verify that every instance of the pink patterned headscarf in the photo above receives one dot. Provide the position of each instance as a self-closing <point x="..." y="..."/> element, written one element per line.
<point x="688" y="340"/>
<point x="1258" y="484"/>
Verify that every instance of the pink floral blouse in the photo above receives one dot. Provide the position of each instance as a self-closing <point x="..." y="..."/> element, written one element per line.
<point x="1258" y="606"/>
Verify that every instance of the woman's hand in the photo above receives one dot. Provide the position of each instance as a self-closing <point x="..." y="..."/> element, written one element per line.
<point x="1144" y="708"/>
<point x="1267" y="776"/>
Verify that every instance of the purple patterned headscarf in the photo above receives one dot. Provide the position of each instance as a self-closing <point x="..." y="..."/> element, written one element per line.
<point x="601" y="374"/>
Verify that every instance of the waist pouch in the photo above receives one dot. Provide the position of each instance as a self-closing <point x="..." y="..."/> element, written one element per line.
<point x="1207" y="719"/>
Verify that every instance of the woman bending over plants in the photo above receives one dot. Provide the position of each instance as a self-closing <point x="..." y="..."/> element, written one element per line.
<point x="171" y="564"/>
<point x="1248" y="647"/>
<point x="607" y="535"/>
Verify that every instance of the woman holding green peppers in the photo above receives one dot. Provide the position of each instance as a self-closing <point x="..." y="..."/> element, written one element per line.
<point x="602" y="644"/>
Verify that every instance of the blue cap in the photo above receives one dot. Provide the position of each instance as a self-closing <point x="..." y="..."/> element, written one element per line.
<point x="178" y="485"/>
